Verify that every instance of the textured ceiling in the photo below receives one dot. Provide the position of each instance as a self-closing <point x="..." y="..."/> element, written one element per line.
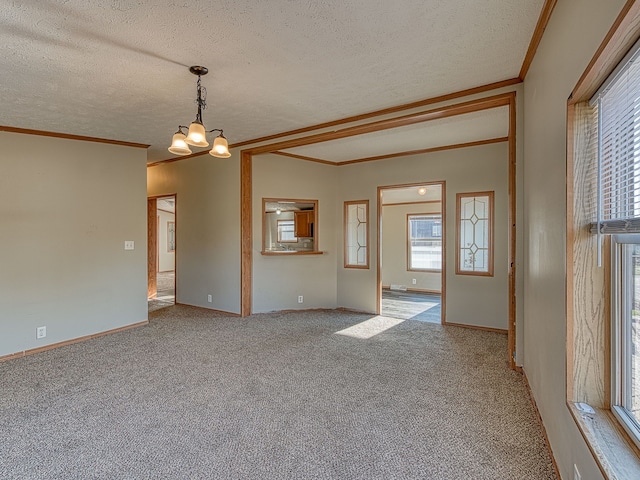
<point x="118" y="68"/>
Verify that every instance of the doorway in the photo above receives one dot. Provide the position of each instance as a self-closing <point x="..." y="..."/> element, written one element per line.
<point x="411" y="252"/>
<point x="161" y="214"/>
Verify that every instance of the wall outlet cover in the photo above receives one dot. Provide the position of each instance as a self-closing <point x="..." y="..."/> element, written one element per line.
<point x="41" y="332"/>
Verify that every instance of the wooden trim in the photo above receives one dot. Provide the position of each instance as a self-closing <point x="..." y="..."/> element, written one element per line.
<point x="152" y="247"/>
<point x="479" y="327"/>
<point x="569" y="247"/>
<point x="246" y="236"/>
<point x="513" y="233"/>
<point x="385" y="111"/>
<point x="443" y="272"/>
<point x="170" y="160"/>
<point x="302" y="157"/>
<point x="619" y="39"/>
<point x="543" y="20"/>
<point x="424" y="150"/>
<point x="615" y="453"/>
<point x="265" y="200"/>
<point x="356" y="118"/>
<point x="443" y="278"/>
<point x="344" y="233"/>
<point x="175" y="253"/>
<point x="408" y="241"/>
<point x="459" y="197"/>
<point x="539" y="417"/>
<point x="447" y="111"/>
<point x="33" y="351"/>
<point x="43" y="133"/>
<point x="246" y="177"/>
<point x="379" y="253"/>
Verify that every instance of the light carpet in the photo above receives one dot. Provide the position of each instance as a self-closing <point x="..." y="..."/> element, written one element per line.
<point x="201" y="395"/>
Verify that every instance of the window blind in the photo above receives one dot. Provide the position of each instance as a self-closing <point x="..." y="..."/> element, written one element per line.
<point x="618" y="170"/>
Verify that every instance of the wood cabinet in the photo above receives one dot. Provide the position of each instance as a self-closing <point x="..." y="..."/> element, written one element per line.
<point x="303" y="223"/>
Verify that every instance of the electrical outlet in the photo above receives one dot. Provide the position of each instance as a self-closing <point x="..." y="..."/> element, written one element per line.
<point x="129" y="245"/>
<point x="576" y="473"/>
<point x="41" y="332"/>
<point x="413" y="281"/>
<point x="209" y="298"/>
<point x="300" y="298"/>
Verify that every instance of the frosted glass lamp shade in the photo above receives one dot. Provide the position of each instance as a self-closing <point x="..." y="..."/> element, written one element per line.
<point x="197" y="135"/>
<point x="178" y="145"/>
<point x="220" y="147"/>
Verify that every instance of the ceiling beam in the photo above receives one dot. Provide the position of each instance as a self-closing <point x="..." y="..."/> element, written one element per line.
<point x="402" y="121"/>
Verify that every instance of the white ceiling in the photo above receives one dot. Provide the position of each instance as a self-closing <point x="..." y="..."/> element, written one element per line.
<point x="397" y="195"/>
<point x="118" y="69"/>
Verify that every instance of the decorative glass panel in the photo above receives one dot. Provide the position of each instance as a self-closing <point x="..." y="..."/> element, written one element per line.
<point x="356" y="234"/>
<point x="475" y="226"/>
<point x="171" y="236"/>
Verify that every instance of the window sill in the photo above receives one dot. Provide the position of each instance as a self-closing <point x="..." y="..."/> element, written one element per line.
<point x="613" y="451"/>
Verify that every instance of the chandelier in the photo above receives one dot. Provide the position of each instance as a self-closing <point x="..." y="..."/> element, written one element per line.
<point x="196" y="135"/>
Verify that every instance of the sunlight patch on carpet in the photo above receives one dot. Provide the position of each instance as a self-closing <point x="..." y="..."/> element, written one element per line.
<point x="371" y="327"/>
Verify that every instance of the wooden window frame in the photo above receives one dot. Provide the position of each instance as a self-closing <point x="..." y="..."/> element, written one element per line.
<point x="491" y="221"/>
<point x="408" y="242"/>
<point x="345" y="227"/>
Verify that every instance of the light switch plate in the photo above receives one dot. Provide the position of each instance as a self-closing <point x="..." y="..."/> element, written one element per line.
<point x="129" y="245"/>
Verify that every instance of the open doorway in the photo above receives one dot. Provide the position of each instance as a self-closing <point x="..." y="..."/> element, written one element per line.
<point x="411" y="271"/>
<point x="162" y="252"/>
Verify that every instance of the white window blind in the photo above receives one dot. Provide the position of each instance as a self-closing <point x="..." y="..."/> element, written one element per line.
<point x="618" y="109"/>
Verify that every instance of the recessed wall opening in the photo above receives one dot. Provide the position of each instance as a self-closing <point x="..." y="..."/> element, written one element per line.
<point x="412" y="252"/>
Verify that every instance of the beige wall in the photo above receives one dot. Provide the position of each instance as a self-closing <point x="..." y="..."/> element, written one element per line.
<point x="166" y="259"/>
<point x="67" y="208"/>
<point x="208" y="232"/>
<point x="279" y="280"/>
<point x="573" y="35"/>
<point x="394" y="248"/>
<point x="480" y="301"/>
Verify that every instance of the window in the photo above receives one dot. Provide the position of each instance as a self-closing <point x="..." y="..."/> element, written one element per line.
<point x="356" y="234"/>
<point x="286" y="232"/>
<point x="626" y="332"/>
<point x="616" y="121"/>
<point x="424" y="242"/>
<point x="474" y="233"/>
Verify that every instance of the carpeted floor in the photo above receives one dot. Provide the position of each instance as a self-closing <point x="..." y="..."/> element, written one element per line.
<point x="200" y="395"/>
